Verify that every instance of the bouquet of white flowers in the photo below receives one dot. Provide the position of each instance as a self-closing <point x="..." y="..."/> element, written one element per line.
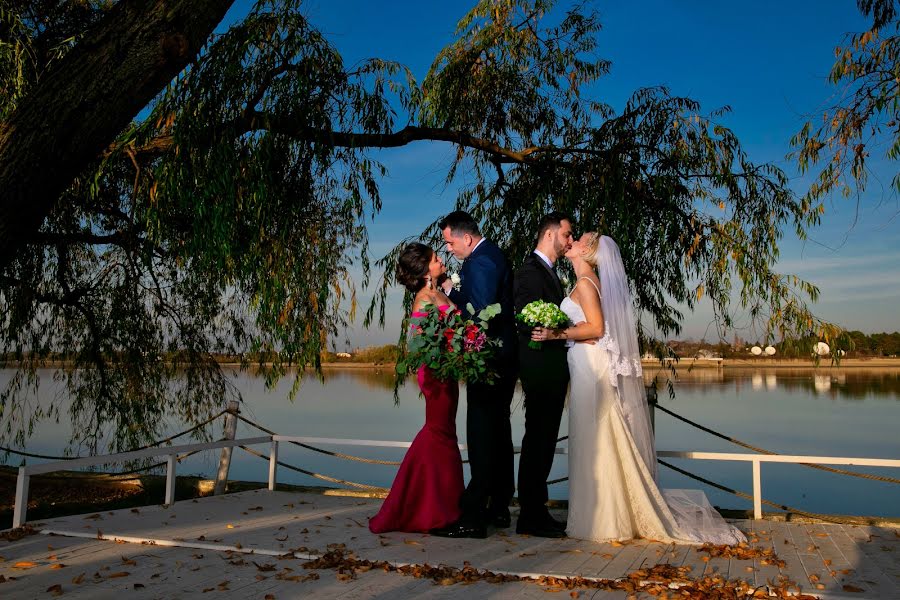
<point x="542" y="314"/>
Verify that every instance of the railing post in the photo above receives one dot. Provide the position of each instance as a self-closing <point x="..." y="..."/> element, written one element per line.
<point x="757" y="492"/>
<point x="273" y="465"/>
<point x="225" y="459"/>
<point x="170" y="479"/>
<point x="21" y="505"/>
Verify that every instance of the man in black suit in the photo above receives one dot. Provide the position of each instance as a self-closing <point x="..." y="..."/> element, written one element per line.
<point x="486" y="278"/>
<point x="544" y="375"/>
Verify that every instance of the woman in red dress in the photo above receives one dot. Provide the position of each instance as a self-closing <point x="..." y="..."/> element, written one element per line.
<point x="426" y="491"/>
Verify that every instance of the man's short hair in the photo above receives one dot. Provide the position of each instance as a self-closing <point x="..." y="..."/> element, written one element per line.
<point x="551" y="221"/>
<point x="460" y="222"/>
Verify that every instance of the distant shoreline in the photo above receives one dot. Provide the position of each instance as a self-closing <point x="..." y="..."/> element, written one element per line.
<point x="700" y="363"/>
<point x="689" y="363"/>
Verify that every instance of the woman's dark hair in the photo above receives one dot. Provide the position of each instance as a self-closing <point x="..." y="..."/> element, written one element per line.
<point x="412" y="266"/>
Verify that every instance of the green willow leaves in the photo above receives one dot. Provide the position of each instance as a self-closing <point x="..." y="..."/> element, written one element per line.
<point x="226" y="220"/>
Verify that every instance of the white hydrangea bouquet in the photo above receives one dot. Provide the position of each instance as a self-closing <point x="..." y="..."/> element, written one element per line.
<point x="542" y="314"/>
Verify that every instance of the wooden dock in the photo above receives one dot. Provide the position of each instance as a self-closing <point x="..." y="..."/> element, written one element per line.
<point x="263" y="544"/>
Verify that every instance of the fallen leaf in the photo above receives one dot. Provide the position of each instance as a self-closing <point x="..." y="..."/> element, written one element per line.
<point x="412" y="542"/>
<point x="118" y="574"/>
<point x="94" y="517"/>
<point x="24" y="564"/>
<point x="264" y="567"/>
<point x="58" y="566"/>
<point x="852" y="588"/>
<point x="135" y="511"/>
<point x="269" y="597"/>
<point x="138" y="586"/>
<point x="56" y="590"/>
<point x="78" y="580"/>
<point x="128" y="561"/>
<point x="229" y="526"/>
<point x="616" y="544"/>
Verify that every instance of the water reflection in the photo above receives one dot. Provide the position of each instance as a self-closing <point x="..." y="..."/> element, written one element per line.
<point x="836" y="412"/>
<point x="846" y="383"/>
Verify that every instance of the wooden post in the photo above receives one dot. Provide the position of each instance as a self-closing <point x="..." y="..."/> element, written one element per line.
<point x="21" y="505"/>
<point x="171" y="462"/>
<point x="757" y="491"/>
<point x="273" y="465"/>
<point x="225" y="459"/>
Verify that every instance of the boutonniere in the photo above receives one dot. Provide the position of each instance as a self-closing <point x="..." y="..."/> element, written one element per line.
<point x="564" y="280"/>
<point x="455" y="280"/>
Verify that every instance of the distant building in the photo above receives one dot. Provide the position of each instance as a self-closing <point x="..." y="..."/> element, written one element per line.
<point x="343" y="355"/>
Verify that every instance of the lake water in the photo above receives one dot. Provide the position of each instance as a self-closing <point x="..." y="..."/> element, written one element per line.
<point x="831" y="412"/>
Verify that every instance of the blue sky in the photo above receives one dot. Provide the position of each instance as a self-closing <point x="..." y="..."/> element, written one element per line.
<point x="767" y="60"/>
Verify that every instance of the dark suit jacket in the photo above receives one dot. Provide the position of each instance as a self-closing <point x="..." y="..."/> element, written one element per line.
<point x="536" y="281"/>
<point x="486" y="278"/>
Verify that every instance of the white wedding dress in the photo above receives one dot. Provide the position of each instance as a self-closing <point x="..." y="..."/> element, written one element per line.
<point x="612" y="461"/>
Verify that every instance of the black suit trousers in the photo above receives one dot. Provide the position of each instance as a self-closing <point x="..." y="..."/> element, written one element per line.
<point x="489" y="440"/>
<point x="545" y="379"/>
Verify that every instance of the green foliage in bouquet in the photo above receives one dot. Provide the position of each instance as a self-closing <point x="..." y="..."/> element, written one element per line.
<point x="453" y="347"/>
<point x="542" y="314"/>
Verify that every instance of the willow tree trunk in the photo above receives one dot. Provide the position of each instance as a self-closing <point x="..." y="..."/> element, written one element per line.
<point x="87" y="99"/>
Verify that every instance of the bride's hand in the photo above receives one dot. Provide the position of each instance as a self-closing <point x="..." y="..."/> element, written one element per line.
<point x="541" y="334"/>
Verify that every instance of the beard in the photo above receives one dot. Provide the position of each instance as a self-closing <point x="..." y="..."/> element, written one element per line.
<point x="560" y="248"/>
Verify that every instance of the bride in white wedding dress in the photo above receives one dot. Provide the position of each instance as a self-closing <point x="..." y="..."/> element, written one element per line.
<point x="612" y="460"/>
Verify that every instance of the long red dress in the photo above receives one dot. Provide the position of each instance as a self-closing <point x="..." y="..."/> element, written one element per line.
<point x="426" y="491"/>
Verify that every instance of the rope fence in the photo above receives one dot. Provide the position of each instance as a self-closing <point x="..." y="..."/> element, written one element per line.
<point x="145" y="447"/>
<point x="769" y="452"/>
<point x="378" y="489"/>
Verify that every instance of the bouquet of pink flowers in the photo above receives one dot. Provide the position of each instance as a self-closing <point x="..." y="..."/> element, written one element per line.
<point x="454" y="348"/>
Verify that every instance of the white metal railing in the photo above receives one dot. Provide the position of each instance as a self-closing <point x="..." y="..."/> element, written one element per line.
<point x="758" y="459"/>
<point x="171" y="452"/>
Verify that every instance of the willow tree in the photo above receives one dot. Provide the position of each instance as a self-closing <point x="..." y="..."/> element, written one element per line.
<point x="228" y="219"/>
<point x="864" y="117"/>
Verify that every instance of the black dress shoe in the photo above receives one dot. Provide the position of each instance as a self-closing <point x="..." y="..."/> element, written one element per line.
<point x="550" y="521"/>
<point x="501" y="519"/>
<point x="539" y="529"/>
<point x="461" y="530"/>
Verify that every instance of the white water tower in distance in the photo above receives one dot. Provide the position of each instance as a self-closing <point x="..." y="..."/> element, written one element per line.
<point x="770" y="350"/>
<point x="756" y="351"/>
<point x="821" y="349"/>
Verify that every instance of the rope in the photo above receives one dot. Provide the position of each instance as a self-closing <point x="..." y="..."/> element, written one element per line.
<point x="151" y="445"/>
<point x="764" y="451"/>
<point x="320" y="450"/>
<point x="348" y="456"/>
<point x="363" y="486"/>
<point x="748" y="496"/>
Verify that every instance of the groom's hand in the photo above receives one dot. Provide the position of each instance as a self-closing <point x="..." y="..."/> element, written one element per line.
<point x="446" y="285"/>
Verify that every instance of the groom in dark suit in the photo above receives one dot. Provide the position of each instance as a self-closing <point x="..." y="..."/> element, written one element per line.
<point x="544" y="375"/>
<point x="486" y="278"/>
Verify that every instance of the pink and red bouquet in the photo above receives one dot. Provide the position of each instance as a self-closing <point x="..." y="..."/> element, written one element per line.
<point x="453" y="347"/>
